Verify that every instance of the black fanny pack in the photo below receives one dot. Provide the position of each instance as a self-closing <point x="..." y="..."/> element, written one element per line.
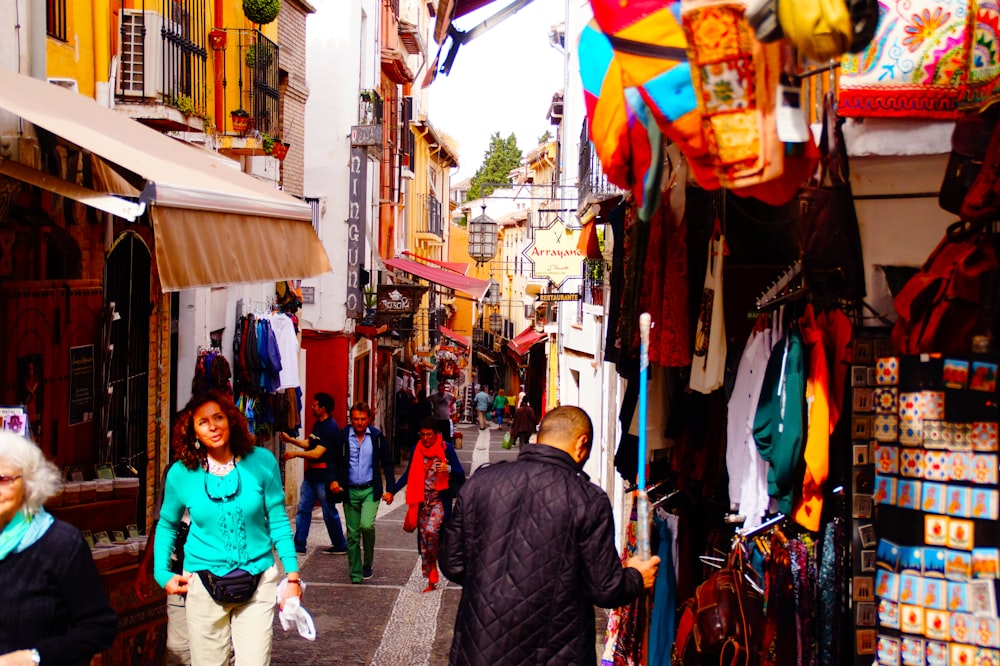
<point x="236" y="587"/>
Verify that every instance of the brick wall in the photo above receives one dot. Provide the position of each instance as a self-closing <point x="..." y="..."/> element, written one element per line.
<point x="294" y="92"/>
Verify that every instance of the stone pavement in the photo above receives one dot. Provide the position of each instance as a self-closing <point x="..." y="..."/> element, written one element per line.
<point x="388" y="620"/>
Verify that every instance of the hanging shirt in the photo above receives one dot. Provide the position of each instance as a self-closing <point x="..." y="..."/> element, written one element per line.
<point x="708" y="367"/>
<point x="817" y="449"/>
<point x="747" y="470"/>
<point x="360" y="468"/>
<point x="288" y="349"/>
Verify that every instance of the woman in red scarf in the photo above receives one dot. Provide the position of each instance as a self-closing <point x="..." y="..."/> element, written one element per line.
<point x="432" y="479"/>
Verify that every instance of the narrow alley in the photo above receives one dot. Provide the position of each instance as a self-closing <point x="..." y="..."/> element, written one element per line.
<point x="388" y="620"/>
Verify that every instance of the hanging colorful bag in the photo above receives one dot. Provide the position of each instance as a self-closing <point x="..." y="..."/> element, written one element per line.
<point x="508" y="442"/>
<point x="819" y="29"/>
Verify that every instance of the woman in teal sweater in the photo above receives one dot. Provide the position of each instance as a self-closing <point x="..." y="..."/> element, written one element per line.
<point x="232" y="491"/>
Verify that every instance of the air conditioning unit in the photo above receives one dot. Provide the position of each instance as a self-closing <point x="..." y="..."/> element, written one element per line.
<point x="141" y="72"/>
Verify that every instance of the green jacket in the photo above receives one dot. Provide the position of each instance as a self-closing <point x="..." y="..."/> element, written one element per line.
<point x="780" y="424"/>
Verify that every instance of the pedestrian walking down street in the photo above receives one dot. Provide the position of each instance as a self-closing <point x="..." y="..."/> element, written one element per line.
<point x="483" y="402"/>
<point x="54" y="609"/>
<point x="232" y="491"/>
<point x="317" y="452"/>
<point x="361" y="450"/>
<point x="539" y="526"/>
<point x="441" y="402"/>
<point x="432" y="478"/>
<point x="499" y="406"/>
<point x="523" y="425"/>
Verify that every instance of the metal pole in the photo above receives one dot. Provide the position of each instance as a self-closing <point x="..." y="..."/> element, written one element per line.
<point x="643" y="501"/>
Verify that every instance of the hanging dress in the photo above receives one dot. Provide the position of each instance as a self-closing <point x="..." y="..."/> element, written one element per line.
<point x="708" y="367"/>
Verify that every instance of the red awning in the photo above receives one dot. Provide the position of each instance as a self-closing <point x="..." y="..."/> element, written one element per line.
<point x="457" y="266"/>
<point x="452" y="335"/>
<point x="525" y="340"/>
<point x="467" y="285"/>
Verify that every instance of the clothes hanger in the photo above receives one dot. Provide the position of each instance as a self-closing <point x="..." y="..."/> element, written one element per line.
<point x="771" y="294"/>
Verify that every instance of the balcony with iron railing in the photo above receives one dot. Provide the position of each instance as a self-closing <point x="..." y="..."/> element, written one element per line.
<point x="251" y="64"/>
<point x="593" y="184"/>
<point x="428" y="217"/>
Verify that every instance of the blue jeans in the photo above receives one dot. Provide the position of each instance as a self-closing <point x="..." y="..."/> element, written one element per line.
<point x="313" y="489"/>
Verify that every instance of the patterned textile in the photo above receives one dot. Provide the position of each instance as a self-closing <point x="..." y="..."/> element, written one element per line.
<point x="735" y="79"/>
<point x="831" y="587"/>
<point x="929" y="59"/>
<point x="429" y="521"/>
<point x="624" y="642"/>
<point x="802" y="552"/>
<point x="778" y="647"/>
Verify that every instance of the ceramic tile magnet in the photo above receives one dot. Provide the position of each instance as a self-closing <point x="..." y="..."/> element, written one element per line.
<point x="935" y="530"/>
<point x="957" y="502"/>
<point x="910" y="432"/>
<point x="961" y="437"/>
<point x="911" y="588"/>
<point x="934" y="434"/>
<point x="961" y="654"/>
<point x="911" y="619"/>
<point x="958" y="565"/>
<point x="909" y="405"/>
<point x="984" y="504"/>
<point x="958" y="597"/>
<point x="885" y="489"/>
<point x="987" y="632"/>
<point x="960" y="465"/>
<point x="936" y="465"/>
<point x="934" y="562"/>
<point x="888" y="614"/>
<point x="984" y="436"/>
<point x="932" y="500"/>
<point x="887" y="651"/>
<point x="937" y="625"/>
<point x="937" y="653"/>
<point x="886" y="427"/>
<point x="911" y="463"/>
<point x="931" y="405"/>
<point x="961" y="628"/>
<point x="986" y="563"/>
<point x="887" y="585"/>
<point x="886" y="399"/>
<point x="961" y="534"/>
<point x="956" y="373"/>
<point x="911" y="651"/>
<point x="908" y="494"/>
<point x="935" y="593"/>
<point x="887" y="370"/>
<point x="984" y="469"/>
<point x="986" y="657"/>
<point x="886" y="459"/>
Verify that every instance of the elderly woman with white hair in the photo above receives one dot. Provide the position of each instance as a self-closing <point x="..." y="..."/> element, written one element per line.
<point x="54" y="608"/>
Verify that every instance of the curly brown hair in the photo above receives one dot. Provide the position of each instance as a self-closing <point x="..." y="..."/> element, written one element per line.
<point x="241" y="440"/>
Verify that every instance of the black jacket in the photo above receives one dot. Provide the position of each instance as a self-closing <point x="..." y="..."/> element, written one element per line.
<point x="533" y="545"/>
<point x="340" y="456"/>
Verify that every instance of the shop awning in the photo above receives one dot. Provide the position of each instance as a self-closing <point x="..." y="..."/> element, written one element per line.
<point x="213" y="224"/>
<point x="474" y="287"/>
<point x="524" y="341"/>
<point x="455" y="337"/>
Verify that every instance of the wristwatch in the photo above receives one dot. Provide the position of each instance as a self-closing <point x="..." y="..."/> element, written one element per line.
<point x="35" y="657"/>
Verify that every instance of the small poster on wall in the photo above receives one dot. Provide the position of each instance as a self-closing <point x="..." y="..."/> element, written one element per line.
<point x="81" y="384"/>
<point x="14" y="419"/>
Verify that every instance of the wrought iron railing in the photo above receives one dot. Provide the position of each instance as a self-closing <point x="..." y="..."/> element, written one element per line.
<point x="429" y="215"/>
<point x="258" y="80"/>
<point x="592" y="181"/>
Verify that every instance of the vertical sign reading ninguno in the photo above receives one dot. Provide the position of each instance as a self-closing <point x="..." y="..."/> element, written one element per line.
<point x="356" y="214"/>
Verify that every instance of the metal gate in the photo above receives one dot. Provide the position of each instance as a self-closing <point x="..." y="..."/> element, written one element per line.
<point x="127" y="286"/>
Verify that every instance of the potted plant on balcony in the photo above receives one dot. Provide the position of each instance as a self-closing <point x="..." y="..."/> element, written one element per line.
<point x="280" y="149"/>
<point x="261" y="11"/>
<point x="267" y="143"/>
<point x="241" y="120"/>
<point x="258" y="56"/>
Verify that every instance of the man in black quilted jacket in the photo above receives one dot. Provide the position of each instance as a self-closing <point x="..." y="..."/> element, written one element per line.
<point x="532" y="543"/>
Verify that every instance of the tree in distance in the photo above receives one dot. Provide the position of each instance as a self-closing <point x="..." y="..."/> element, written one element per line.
<point x="502" y="157"/>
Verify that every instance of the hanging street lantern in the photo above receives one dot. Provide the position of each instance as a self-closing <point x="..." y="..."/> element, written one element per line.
<point x="482" y="238"/>
<point x="492" y="296"/>
<point x="496" y="323"/>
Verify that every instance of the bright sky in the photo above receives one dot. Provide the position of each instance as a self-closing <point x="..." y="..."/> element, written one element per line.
<point x="502" y="81"/>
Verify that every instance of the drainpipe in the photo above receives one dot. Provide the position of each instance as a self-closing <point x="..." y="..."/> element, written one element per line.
<point x="220" y="68"/>
<point x="38" y="40"/>
<point x="102" y="54"/>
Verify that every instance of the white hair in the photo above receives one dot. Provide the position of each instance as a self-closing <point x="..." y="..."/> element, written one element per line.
<point x="40" y="477"/>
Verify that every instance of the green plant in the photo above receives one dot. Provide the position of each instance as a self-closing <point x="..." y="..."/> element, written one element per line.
<point x="267" y="142"/>
<point x="183" y="103"/>
<point x="370" y="296"/>
<point x="257" y="50"/>
<point x="261" y="11"/>
<point x="242" y="113"/>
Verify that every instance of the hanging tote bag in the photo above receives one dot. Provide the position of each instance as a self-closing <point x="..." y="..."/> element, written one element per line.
<point x="832" y="256"/>
<point x="708" y="367"/>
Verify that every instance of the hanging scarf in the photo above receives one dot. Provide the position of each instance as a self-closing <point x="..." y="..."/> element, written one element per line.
<point x="23" y="531"/>
<point x="415" y="479"/>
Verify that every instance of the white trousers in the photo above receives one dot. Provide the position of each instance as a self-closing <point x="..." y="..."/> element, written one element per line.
<point x="214" y="628"/>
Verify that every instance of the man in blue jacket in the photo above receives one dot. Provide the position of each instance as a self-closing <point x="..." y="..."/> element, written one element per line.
<point x="360" y="451"/>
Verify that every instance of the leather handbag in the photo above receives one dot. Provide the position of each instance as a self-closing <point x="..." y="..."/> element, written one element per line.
<point x="982" y="202"/>
<point x="832" y="257"/>
<point x="969" y="140"/>
<point x="722" y="623"/>
<point x="948" y="301"/>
